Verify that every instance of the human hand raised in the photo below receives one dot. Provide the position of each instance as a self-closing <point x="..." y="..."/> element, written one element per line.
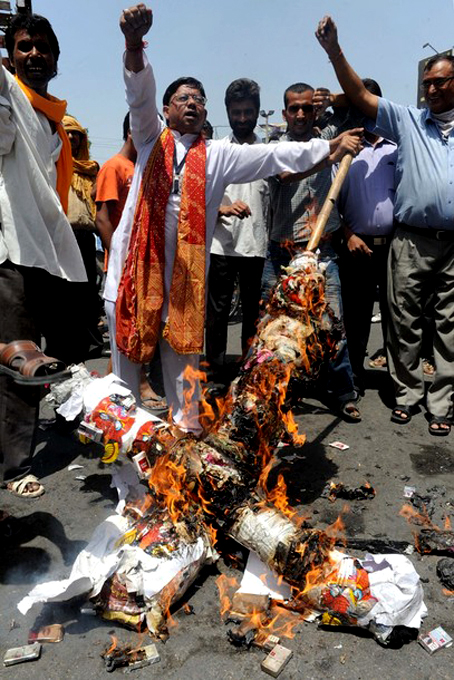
<point x="326" y="35"/>
<point x="135" y="22"/>
<point x="321" y="99"/>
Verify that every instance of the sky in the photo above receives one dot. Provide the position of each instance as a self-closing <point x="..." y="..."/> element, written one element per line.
<point x="270" y="41"/>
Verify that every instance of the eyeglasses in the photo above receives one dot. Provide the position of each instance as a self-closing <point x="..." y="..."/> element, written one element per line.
<point x="184" y="98"/>
<point x="436" y="82"/>
<point x="305" y="108"/>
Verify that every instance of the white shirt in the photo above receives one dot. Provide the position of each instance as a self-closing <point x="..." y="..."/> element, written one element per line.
<point x="247" y="237"/>
<point x="226" y="164"/>
<point x="34" y="230"/>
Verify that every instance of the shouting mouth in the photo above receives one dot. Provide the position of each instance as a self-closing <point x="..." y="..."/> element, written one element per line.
<point x="37" y="70"/>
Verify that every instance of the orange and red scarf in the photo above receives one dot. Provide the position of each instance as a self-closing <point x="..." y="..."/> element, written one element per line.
<point x="54" y="109"/>
<point x="141" y="292"/>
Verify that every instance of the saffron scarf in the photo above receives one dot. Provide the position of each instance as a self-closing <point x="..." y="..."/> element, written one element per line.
<point x="84" y="169"/>
<point x="54" y="109"/>
<point x="141" y="291"/>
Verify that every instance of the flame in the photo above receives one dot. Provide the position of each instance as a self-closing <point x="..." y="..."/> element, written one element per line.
<point x="414" y="517"/>
<point x="336" y="530"/>
<point x="278" y="497"/>
<point x="227" y="586"/>
<point x="166" y="597"/>
<point x="167" y="480"/>
<point x="213" y="534"/>
<point x="134" y="653"/>
<point x="283" y="622"/>
<point x="113" y="646"/>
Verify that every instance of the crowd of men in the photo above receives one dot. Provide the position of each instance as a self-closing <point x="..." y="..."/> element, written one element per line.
<point x="182" y="217"/>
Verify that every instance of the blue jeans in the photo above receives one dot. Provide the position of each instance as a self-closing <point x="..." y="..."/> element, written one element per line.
<point x="340" y="384"/>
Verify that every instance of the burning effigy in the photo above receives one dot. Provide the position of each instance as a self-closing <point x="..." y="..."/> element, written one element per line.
<point x="141" y="561"/>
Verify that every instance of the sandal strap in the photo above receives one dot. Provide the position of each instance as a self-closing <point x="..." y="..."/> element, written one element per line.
<point x="26" y="357"/>
<point x="19" y="485"/>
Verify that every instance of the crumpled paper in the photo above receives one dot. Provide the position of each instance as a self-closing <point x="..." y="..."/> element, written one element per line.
<point x="67" y="395"/>
<point x="106" y="555"/>
<point x="378" y="592"/>
<point x="396" y="585"/>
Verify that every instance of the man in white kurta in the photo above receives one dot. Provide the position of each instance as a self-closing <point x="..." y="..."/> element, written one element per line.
<point x="240" y="242"/>
<point x="39" y="256"/>
<point x="226" y="163"/>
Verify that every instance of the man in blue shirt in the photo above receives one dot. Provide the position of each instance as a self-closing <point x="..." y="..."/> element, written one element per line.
<point x="366" y="205"/>
<point x="421" y="260"/>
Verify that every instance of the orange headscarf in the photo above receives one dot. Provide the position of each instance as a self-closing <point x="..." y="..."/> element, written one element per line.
<point x="54" y="109"/>
<point x="85" y="170"/>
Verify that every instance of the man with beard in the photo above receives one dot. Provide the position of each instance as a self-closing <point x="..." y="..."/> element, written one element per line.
<point x="39" y="256"/>
<point x="421" y="260"/>
<point x="155" y="286"/>
<point x="240" y="239"/>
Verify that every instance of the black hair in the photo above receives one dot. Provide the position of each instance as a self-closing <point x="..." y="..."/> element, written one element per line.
<point x="34" y="24"/>
<point x="240" y="89"/>
<point x="439" y="57"/>
<point x="185" y="80"/>
<point x="126" y="127"/>
<point x="372" y="86"/>
<point x="208" y="128"/>
<point x="299" y="88"/>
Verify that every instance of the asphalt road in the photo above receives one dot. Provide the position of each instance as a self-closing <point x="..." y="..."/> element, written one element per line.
<point x="55" y="527"/>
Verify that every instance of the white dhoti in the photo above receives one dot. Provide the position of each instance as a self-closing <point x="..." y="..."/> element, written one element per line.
<point x="179" y="371"/>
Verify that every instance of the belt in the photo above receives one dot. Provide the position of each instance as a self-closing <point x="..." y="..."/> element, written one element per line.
<point x="428" y="232"/>
<point x="375" y="240"/>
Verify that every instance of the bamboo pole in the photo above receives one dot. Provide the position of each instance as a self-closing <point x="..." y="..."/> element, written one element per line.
<point x="329" y="203"/>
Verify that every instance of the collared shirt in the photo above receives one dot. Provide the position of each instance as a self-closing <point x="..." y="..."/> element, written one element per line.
<point x="366" y="200"/>
<point x="226" y="164"/>
<point x="295" y="206"/>
<point x="425" y="166"/>
<point x="247" y="237"/>
<point x="34" y="230"/>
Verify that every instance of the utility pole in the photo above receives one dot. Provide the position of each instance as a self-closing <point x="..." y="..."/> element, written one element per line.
<point x="266" y="115"/>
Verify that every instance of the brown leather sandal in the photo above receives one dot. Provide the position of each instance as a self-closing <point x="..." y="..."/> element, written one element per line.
<point x="26" y="364"/>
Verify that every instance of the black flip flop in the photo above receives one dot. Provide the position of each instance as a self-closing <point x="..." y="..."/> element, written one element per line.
<point x="439" y="420"/>
<point x="398" y="417"/>
<point x="349" y="411"/>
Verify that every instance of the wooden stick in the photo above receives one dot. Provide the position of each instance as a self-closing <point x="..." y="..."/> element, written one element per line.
<point x="330" y="200"/>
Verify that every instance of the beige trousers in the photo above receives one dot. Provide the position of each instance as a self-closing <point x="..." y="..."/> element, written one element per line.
<point x="419" y="267"/>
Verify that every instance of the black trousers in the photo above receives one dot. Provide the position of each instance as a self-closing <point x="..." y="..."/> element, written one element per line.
<point x="221" y="280"/>
<point x="34" y="303"/>
<point x="87" y="246"/>
<point x="360" y="277"/>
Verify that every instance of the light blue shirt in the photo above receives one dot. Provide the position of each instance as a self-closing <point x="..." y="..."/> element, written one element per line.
<point x="425" y="166"/>
<point x="366" y="200"/>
